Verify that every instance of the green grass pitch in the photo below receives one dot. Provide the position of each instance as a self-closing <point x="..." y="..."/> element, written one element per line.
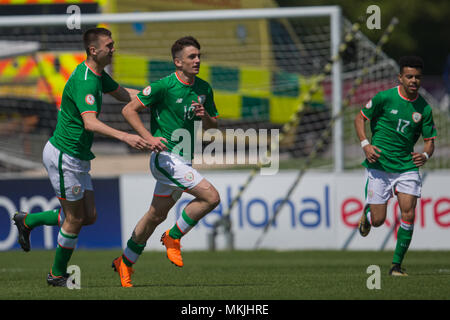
<point x="231" y="275"/>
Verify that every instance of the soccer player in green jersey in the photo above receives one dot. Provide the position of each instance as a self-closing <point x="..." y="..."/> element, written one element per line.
<point x="67" y="154"/>
<point x="398" y="117"/>
<point x="174" y="102"/>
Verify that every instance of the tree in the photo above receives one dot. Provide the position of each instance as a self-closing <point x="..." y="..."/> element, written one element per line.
<point x="423" y="29"/>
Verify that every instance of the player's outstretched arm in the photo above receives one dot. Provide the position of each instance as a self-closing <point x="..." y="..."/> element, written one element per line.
<point x="124" y="94"/>
<point x="91" y="123"/>
<point x="131" y="113"/>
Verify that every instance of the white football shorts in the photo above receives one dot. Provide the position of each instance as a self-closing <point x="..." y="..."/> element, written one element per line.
<point x="173" y="174"/>
<point x="381" y="185"/>
<point x="69" y="176"/>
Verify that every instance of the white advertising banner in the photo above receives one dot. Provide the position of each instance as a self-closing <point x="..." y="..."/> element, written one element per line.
<point x="321" y="213"/>
<point x="432" y="223"/>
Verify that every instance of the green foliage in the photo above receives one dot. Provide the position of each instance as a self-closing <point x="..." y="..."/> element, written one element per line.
<point x="422" y="29"/>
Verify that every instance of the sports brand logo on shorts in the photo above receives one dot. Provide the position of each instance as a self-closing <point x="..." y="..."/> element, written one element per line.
<point x="76" y="190"/>
<point x="189" y="176"/>
<point x="90" y="99"/>
<point x="369" y="104"/>
<point x="416" y="117"/>
<point x="370" y="193"/>
<point x="147" y="91"/>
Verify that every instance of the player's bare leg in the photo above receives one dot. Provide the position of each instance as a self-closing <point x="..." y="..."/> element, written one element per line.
<point x="90" y="211"/>
<point x="407" y="204"/>
<point x="156" y="214"/>
<point x="378" y="214"/>
<point x="206" y="199"/>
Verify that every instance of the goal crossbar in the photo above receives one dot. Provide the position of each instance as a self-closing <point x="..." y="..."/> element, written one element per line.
<point x="173" y="16"/>
<point x="333" y="12"/>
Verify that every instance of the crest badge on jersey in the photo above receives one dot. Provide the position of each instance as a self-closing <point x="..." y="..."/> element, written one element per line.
<point x="147" y="91"/>
<point x="90" y="99"/>
<point x="416" y="117"/>
<point x="369" y="104"/>
<point x="189" y="176"/>
<point x="76" y="190"/>
<point x="201" y="99"/>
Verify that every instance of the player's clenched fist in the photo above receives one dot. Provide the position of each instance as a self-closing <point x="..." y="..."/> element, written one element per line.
<point x="372" y="153"/>
<point x="199" y="109"/>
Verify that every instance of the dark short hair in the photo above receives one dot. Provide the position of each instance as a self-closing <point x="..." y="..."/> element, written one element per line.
<point x="411" y="62"/>
<point x="91" y="35"/>
<point x="182" y="43"/>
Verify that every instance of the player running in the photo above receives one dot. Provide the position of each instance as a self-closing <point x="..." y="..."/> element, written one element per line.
<point x="398" y="117"/>
<point x="174" y="102"/>
<point x="67" y="154"/>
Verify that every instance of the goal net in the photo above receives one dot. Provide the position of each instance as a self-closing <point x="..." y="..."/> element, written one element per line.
<point x="264" y="69"/>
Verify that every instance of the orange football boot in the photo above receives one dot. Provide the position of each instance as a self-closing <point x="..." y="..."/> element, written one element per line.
<point x="173" y="249"/>
<point x="124" y="271"/>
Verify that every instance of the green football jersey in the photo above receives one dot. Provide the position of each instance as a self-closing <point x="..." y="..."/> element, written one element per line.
<point x="396" y="124"/>
<point x="82" y="94"/>
<point x="170" y="101"/>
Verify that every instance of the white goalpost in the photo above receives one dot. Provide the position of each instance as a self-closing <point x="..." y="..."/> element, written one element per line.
<point x="214" y="17"/>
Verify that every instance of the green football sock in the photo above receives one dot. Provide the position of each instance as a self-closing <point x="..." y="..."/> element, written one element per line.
<point x="47" y="218"/>
<point x="132" y="252"/>
<point x="66" y="246"/>
<point x="182" y="226"/>
<point x="367" y="213"/>
<point x="404" y="236"/>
